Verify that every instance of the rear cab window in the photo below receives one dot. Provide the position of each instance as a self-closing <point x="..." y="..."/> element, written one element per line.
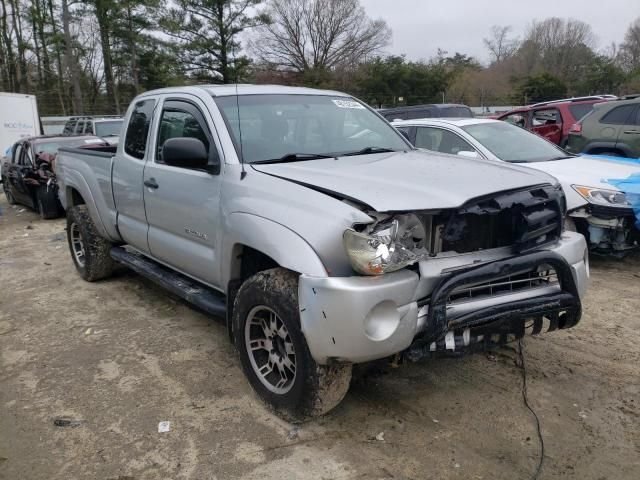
<point x="135" y="141"/>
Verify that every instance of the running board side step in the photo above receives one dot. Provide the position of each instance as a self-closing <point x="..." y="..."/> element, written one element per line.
<point x="193" y="292"/>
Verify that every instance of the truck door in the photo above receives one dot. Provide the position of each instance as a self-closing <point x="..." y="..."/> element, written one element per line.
<point x="182" y="204"/>
<point x="548" y="124"/>
<point x="128" y="169"/>
<point x="629" y="136"/>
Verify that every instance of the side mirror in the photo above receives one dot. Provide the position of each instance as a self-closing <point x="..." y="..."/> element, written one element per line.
<point x="468" y="154"/>
<point x="185" y="152"/>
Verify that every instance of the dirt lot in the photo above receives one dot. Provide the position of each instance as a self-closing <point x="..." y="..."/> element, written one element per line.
<point x="119" y="356"/>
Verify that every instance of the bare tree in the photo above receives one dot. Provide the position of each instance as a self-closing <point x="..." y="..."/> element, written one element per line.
<point x="500" y="46"/>
<point x="70" y="63"/>
<point x="307" y="35"/>
<point x="630" y="48"/>
<point x="557" y="46"/>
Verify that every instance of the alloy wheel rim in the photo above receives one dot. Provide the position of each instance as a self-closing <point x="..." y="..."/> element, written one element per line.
<point x="270" y="349"/>
<point x="77" y="245"/>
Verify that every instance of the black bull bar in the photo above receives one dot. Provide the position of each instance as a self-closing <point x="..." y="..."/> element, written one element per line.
<point x="503" y="322"/>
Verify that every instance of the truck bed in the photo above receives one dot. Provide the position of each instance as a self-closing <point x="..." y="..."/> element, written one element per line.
<point x="88" y="171"/>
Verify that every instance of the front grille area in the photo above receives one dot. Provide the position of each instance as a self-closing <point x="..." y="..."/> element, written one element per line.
<point x="524" y="219"/>
<point x="543" y="276"/>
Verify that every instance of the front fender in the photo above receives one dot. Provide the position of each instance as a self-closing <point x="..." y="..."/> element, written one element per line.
<point x="283" y="245"/>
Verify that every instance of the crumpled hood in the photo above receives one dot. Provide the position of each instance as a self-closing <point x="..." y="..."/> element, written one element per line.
<point x="414" y="180"/>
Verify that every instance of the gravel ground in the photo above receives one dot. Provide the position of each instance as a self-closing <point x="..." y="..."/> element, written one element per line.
<point x="87" y="371"/>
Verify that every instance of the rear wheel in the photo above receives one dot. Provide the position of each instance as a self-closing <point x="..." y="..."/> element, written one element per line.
<point x="7" y="193"/>
<point x="89" y="251"/>
<point x="274" y="353"/>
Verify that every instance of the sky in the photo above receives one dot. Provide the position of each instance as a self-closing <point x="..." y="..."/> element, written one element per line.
<point x="420" y="27"/>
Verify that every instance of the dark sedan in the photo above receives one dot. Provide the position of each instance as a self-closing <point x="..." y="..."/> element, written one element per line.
<point x="28" y="171"/>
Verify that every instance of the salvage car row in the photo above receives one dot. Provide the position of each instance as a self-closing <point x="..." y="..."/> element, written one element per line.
<point x="326" y="239"/>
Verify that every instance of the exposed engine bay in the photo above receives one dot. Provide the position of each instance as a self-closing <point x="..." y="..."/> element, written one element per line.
<point x="608" y="231"/>
<point x="524" y="219"/>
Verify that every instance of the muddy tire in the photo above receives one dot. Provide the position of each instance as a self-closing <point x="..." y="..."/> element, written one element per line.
<point x="89" y="251"/>
<point x="7" y="193"/>
<point x="274" y="353"/>
<point x="47" y="201"/>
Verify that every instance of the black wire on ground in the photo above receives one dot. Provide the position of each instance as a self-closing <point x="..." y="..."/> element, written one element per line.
<point x="523" y="369"/>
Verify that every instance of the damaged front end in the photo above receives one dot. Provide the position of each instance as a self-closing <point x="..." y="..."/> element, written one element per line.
<point x="478" y="306"/>
<point x="452" y="280"/>
<point x="607" y="221"/>
<point x="43" y="174"/>
<point x="609" y="231"/>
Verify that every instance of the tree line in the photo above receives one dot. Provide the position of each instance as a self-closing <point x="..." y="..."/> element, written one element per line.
<point x="93" y="56"/>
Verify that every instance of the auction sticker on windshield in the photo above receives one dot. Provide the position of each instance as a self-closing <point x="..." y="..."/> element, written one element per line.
<point x="348" y="104"/>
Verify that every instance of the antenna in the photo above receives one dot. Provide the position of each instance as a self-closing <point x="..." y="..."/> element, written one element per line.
<point x="243" y="172"/>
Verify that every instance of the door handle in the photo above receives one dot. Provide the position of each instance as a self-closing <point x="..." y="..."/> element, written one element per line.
<point x="151" y="183"/>
<point x="632" y="132"/>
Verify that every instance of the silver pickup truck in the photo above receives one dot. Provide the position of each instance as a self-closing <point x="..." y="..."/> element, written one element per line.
<point x="320" y="234"/>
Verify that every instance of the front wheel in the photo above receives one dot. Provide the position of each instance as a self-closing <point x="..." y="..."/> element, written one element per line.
<point x="89" y="251"/>
<point x="274" y="353"/>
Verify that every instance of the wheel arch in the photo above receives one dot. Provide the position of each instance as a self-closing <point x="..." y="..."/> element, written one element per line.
<point x="78" y="192"/>
<point x="595" y="148"/>
<point x="254" y="244"/>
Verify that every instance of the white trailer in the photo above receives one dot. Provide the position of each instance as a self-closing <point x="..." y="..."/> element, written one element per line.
<point x="18" y="119"/>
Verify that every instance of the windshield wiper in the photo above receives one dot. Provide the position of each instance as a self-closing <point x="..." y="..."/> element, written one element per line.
<point x="293" y="157"/>
<point x="368" y="151"/>
<point x="562" y="157"/>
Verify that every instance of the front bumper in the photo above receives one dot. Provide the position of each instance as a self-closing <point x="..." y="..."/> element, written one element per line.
<point x="358" y="319"/>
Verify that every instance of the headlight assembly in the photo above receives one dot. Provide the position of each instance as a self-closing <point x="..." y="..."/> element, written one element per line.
<point x="386" y="246"/>
<point x="600" y="196"/>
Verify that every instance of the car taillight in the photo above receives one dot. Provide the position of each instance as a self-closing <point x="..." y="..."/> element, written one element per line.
<point x="576" y="128"/>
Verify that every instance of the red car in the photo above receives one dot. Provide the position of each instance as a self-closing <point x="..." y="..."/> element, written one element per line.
<point x="553" y="120"/>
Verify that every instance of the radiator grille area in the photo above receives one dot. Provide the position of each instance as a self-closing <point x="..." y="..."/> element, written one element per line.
<point x="524" y="219"/>
<point x="543" y="276"/>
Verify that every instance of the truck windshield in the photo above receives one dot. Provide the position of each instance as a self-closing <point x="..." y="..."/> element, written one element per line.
<point x="108" y="129"/>
<point x="514" y="144"/>
<point x="274" y="127"/>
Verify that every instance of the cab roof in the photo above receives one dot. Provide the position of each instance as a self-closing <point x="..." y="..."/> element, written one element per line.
<point x="246" y="89"/>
